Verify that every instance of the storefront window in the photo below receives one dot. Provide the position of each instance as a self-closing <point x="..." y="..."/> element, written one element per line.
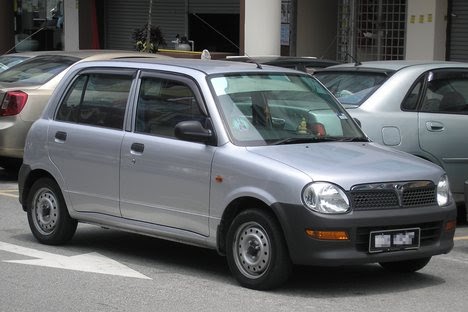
<point x="38" y="25"/>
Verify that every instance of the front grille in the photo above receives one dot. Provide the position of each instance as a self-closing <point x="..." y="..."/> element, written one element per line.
<point x="393" y="195"/>
<point x="419" y="196"/>
<point x="367" y="200"/>
<point x="430" y="233"/>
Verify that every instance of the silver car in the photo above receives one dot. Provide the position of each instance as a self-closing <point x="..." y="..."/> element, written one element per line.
<point x="415" y="106"/>
<point x="261" y="164"/>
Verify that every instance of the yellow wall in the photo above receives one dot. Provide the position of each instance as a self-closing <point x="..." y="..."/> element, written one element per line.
<point x="426" y="29"/>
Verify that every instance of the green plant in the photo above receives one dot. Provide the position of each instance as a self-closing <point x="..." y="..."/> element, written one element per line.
<point x="156" y="39"/>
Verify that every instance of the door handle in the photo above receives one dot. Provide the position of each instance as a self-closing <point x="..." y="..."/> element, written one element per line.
<point x="435" y="126"/>
<point x="137" y="148"/>
<point x="60" y="136"/>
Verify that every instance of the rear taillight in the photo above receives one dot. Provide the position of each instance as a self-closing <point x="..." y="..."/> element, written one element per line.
<point x="13" y="103"/>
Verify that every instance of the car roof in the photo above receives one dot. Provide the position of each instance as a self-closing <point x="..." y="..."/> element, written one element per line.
<point x="205" y="66"/>
<point x="284" y="60"/>
<point x="392" y="66"/>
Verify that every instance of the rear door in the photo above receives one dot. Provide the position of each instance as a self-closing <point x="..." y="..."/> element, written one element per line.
<point x="166" y="181"/>
<point x="86" y="137"/>
<point x="443" y="123"/>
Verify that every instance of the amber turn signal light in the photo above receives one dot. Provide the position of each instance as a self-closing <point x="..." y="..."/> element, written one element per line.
<point x="450" y="225"/>
<point x="328" y="235"/>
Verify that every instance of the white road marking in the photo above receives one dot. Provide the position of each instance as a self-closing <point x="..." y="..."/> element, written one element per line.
<point x="9" y="193"/>
<point x="91" y="262"/>
<point x="457" y="238"/>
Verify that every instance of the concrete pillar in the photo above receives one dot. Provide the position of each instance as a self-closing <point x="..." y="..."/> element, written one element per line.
<point x="7" y="39"/>
<point x="317" y="28"/>
<point x="426" y="29"/>
<point x="71" y="25"/>
<point x="261" y="27"/>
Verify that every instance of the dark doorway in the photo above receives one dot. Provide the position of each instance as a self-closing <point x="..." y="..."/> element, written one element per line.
<point x="210" y="38"/>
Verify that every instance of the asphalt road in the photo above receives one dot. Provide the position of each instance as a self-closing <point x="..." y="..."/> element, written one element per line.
<point x="137" y="273"/>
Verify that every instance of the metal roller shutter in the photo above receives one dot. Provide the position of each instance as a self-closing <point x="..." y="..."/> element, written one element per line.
<point x="123" y="17"/>
<point x="214" y="6"/>
<point x="458" y="31"/>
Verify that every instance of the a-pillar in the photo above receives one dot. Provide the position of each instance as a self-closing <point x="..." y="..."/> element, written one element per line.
<point x="260" y="27"/>
<point x="426" y="29"/>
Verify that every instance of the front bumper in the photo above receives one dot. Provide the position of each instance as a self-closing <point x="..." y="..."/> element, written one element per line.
<point x="304" y="250"/>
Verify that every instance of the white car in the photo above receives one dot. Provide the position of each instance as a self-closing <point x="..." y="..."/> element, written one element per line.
<point x="420" y="107"/>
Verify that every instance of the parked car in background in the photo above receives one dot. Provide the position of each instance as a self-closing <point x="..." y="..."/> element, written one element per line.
<point x="261" y="164"/>
<point x="420" y="107"/>
<point x="305" y="64"/>
<point x="12" y="59"/>
<point x="25" y="90"/>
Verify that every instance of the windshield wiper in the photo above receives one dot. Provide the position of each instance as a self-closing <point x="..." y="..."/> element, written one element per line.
<point x="354" y="139"/>
<point x="299" y="140"/>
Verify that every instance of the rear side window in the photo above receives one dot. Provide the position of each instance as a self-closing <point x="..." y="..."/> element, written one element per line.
<point x="96" y="99"/>
<point x="162" y="103"/>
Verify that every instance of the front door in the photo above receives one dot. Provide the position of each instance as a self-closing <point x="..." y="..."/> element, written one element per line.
<point x="443" y="125"/>
<point x="166" y="181"/>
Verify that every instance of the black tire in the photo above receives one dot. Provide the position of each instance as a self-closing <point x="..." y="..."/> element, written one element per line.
<point x="257" y="254"/>
<point x="48" y="216"/>
<point x="406" y="266"/>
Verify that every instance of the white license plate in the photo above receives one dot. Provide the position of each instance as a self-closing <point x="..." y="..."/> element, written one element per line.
<point x="393" y="240"/>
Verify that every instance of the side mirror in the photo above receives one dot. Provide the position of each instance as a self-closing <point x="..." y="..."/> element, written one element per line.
<point x="193" y="131"/>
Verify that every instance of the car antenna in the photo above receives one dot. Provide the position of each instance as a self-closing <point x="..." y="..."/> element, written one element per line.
<point x="356" y="62"/>
<point x="229" y="40"/>
<point x="14" y="47"/>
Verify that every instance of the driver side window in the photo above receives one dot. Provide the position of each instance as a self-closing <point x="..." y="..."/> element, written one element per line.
<point x="447" y="95"/>
<point x="162" y="104"/>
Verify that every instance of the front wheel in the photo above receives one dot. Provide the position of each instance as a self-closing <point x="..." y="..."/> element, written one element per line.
<point x="406" y="266"/>
<point x="48" y="216"/>
<point x="256" y="250"/>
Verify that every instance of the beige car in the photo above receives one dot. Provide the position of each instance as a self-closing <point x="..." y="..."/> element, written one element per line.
<point x="26" y="88"/>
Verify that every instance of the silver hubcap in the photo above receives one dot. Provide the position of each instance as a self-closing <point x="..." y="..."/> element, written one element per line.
<point x="45" y="211"/>
<point x="252" y="250"/>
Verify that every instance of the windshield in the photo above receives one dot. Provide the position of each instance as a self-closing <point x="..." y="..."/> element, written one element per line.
<point x="281" y="108"/>
<point x="351" y="88"/>
<point x="37" y="70"/>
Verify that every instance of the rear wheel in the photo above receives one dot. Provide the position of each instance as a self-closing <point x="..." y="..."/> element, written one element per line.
<point x="256" y="250"/>
<point x="48" y="216"/>
<point x="406" y="266"/>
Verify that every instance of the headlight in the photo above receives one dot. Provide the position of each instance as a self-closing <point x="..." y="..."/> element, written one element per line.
<point x="443" y="191"/>
<point x="325" y="198"/>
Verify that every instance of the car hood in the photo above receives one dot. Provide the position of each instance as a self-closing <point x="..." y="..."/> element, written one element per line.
<point x="351" y="163"/>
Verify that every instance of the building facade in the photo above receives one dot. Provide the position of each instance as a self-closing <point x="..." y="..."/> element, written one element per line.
<point x="333" y="29"/>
